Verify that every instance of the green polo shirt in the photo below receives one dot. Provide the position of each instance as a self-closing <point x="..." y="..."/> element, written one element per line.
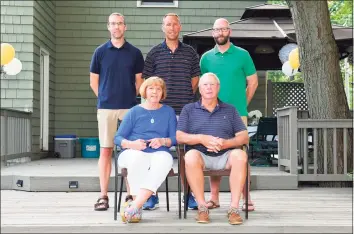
<point x="232" y="67"/>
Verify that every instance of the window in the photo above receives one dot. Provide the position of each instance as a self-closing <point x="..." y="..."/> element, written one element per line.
<point x="157" y="3"/>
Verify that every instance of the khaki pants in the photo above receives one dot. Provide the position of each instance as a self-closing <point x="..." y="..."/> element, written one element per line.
<point x="108" y="125"/>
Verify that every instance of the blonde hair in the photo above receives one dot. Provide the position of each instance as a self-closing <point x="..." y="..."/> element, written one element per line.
<point x="170" y="14"/>
<point x="154" y="80"/>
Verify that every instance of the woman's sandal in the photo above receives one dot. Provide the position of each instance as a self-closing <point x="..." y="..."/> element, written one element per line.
<point x="102" y="203"/>
<point x="213" y="205"/>
<point x="131" y="214"/>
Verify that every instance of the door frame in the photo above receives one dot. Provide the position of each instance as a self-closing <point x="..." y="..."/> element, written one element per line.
<point x="44" y="99"/>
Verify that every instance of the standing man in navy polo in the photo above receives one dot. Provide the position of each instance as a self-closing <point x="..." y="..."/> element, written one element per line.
<point x="214" y="134"/>
<point x="115" y="78"/>
<point x="178" y="65"/>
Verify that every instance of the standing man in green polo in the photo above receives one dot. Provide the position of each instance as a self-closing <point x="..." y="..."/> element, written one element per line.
<point x="238" y="83"/>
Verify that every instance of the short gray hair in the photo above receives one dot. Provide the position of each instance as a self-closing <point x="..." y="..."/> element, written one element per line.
<point x="117" y="14"/>
<point x="209" y="74"/>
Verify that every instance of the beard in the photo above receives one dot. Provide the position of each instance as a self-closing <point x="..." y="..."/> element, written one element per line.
<point x="221" y="40"/>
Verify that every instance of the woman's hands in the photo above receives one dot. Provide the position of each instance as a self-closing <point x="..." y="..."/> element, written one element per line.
<point x="156" y="143"/>
<point x="140" y="144"/>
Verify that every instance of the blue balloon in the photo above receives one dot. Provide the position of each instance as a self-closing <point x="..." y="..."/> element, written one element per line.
<point x="285" y="51"/>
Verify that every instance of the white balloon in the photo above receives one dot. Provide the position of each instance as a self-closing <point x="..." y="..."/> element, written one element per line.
<point x="288" y="70"/>
<point x="13" y="67"/>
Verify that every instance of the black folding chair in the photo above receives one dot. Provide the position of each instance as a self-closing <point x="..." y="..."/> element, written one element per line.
<point x="124" y="174"/>
<point x="181" y="152"/>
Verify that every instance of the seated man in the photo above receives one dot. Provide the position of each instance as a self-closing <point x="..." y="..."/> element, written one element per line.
<point x="147" y="132"/>
<point x="214" y="133"/>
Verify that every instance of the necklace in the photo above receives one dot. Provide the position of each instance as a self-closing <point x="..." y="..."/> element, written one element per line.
<point x="152" y="118"/>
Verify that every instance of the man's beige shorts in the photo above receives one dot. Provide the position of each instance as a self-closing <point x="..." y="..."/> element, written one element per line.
<point x="108" y="125"/>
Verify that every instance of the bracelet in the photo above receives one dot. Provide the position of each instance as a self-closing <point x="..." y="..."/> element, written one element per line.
<point x="164" y="141"/>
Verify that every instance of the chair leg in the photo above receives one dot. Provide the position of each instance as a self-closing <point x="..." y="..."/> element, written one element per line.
<point x="115" y="188"/>
<point x="179" y="192"/>
<point x="186" y="188"/>
<point x="246" y="203"/>
<point x="120" y="192"/>
<point x="167" y="198"/>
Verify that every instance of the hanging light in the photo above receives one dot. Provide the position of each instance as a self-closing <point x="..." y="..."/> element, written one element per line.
<point x="264" y="49"/>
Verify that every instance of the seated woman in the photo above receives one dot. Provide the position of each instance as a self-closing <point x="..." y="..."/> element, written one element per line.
<point x="146" y="133"/>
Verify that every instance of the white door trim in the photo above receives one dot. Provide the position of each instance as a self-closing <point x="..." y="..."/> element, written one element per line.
<point x="44" y="100"/>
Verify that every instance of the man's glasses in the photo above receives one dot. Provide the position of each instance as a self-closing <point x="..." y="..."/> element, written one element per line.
<point x="113" y="24"/>
<point x="226" y="29"/>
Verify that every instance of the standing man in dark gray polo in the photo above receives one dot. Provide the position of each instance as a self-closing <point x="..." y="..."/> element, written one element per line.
<point x="115" y="78"/>
<point x="178" y="64"/>
<point x="212" y="130"/>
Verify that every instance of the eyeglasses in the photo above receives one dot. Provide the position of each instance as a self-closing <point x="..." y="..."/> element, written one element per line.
<point x="221" y="29"/>
<point x="113" y="24"/>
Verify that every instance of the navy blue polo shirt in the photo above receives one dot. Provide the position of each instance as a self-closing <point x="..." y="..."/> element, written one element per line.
<point x="224" y="122"/>
<point x="176" y="69"/>
<point x="116" y="68"/>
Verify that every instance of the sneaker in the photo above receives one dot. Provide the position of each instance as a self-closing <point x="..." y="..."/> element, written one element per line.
<point x="192" y="204"/>
<point x="234" y="216"/>
<point x="152" y="203"/>
<point x="202" y="215"/>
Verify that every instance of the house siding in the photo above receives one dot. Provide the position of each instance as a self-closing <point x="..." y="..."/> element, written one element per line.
<point x="81" y="27"/>
<point x="17" y="29"/>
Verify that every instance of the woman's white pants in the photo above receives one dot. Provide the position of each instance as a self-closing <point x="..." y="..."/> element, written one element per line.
<point x="145" y="170"/>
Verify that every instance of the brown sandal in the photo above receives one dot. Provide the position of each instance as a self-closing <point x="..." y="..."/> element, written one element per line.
<point x="102" y="203"/>
<point x="213" y="205"/>
<point x="250" y="207"/>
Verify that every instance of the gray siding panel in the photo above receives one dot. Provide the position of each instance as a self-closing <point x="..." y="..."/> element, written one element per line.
<point x="17" y="29"/>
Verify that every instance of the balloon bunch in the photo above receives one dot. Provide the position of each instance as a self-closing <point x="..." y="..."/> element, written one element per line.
<point x="10" y="65"/>
<point x="289" y="56"/>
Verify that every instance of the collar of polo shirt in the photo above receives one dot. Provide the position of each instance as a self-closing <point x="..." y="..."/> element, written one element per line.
<point x="110" y="45"/>
<point x="164" y="44"/>
<point x="231" y="50"/>
<point x="199" y="105"/>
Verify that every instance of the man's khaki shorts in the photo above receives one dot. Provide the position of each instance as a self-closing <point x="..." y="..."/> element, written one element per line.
<point x="108" y="125"/>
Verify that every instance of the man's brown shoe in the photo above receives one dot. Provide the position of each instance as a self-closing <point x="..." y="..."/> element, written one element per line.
<point x="202" y="215"/>
<point x="234" y="217"/>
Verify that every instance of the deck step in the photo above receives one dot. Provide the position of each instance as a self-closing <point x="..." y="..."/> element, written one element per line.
<point x="56" y="174"/>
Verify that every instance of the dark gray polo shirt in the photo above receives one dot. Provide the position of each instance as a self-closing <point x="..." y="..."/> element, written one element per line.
<point x="223" y="122"/>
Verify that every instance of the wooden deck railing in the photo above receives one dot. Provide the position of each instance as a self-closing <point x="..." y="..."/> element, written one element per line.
<point x="15" y="134"/>
<point x="315" y="149"/>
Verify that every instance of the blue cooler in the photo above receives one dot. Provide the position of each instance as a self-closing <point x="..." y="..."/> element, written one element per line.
<point x="65" y="146"/>
<point x="90" y="147"/>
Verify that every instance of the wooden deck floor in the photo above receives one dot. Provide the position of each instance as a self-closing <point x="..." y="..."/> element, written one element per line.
<point x="310" y="210"/>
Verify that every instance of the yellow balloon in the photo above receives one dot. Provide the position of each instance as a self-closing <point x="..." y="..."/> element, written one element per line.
<point x="294" y="58"/>
<point x="7" y="53"/>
